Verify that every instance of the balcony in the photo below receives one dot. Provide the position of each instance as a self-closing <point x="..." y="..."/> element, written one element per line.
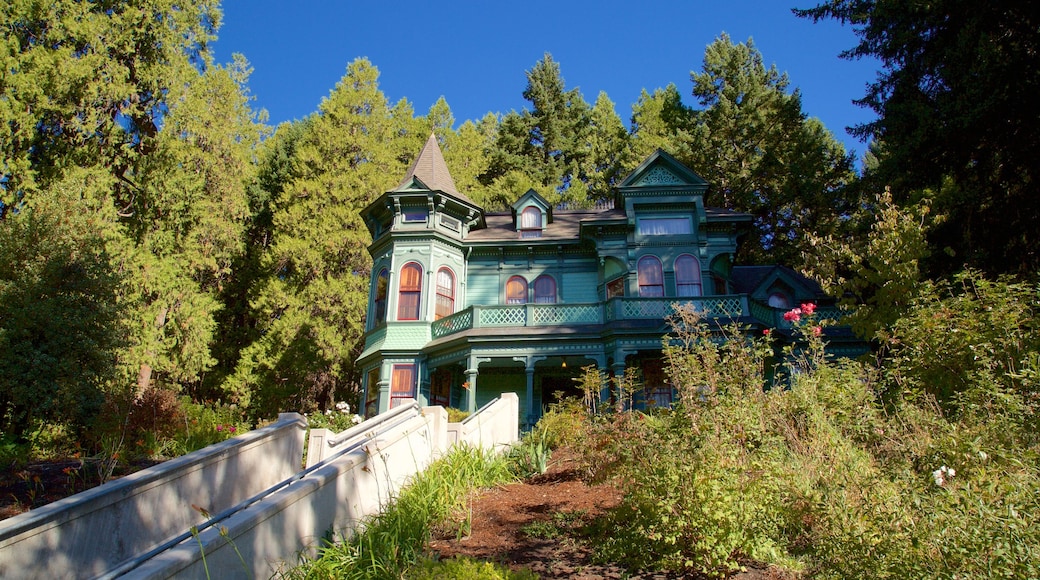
<point x="615" y="309"/>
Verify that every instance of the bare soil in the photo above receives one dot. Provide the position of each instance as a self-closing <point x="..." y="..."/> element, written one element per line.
<point x="515" y="525"/>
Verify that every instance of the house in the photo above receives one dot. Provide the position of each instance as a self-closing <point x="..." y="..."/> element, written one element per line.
<point x="466" y="304"/>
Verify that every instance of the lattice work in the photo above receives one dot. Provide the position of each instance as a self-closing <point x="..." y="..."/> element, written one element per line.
<point x="455" y="323"/>
<point x="721" y="307"/>
<point x="660" y="176"/>
<point x="504" y="316"/>
<point x="557" y="314"/>
<point x="645" y="309"/>
<point x="762" y="313"/>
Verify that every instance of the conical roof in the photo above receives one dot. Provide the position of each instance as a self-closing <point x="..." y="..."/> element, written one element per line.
<point x="430" y="169"/>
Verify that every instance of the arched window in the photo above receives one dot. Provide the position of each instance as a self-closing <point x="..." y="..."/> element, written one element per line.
<point x="780" y="300"/>
<point x="516" y="290"/>
<point x="445" y="294"/>
<point x="531" y="223"/>
<point x="651" y="277"/>
<point x="410" y="294"/>
<point x="382" y="282"/>
<point x="545" y="289"/>
<point x="687" y="276"/>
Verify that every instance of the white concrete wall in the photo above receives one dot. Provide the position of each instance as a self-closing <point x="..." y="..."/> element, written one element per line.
<point x="496" y="427"/>
<point x="350" y="477"/>
<point x="91" y="533"/>
<point x="328" y="500"/>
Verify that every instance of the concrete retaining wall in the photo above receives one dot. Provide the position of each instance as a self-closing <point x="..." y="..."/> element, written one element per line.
<point x="328" y="500"/>
<point x="265" y="511"/>
<point x="91" y="533"/>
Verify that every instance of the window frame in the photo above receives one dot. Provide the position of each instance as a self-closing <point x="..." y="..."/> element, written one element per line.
<point x="444" y="298"/>
<point x="683" y="284"/>
<point x="531" y="230"/>
<point x="413" y="293"/>
<point x="661" y="227"/>
<point x="539" y="298"/>
<point x="518" y="299"/>
<point x="397" y="393"/>
<point x="644" y="273"/>
<point x="382" y="295"/>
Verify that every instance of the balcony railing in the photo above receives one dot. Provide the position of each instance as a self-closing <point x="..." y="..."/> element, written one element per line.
<point x="615" y="309"/>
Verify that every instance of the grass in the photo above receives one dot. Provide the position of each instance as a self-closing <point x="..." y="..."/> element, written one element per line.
<point x="393" y="544"/>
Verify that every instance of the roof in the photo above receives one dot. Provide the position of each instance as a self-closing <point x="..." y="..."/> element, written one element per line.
<point x="431" y="171"/>
<point x="748" y="279"/>
<point x="566" y="226"/>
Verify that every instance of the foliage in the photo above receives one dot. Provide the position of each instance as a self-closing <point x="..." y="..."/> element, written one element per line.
<point x="876" y="275"/>
<point x="311" y="307"/>
<point x="955" y="113"/>
<point x="435" y="502"/>
<point x="851" y="471"/>
<point x="466" y="569"/>
<point x="761" y="154"/>
<point x="60" y="326"/>
<point x="531" y="455"/>
<point x="337" y="418"/>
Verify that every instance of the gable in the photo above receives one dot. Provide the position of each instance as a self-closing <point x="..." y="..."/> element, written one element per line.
<point x="661" y="169"/>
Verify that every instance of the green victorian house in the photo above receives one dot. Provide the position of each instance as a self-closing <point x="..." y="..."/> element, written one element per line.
<point x="466" y="304"/>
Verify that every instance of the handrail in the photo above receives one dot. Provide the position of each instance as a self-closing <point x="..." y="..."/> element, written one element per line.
<point x="475" y="414"/>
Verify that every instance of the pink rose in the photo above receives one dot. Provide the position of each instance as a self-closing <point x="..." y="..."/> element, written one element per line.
<point x="808" y="308"/>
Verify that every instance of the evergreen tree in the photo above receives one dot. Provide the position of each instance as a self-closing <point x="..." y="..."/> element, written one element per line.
<point x="660" y="120"/>
<point x="956" y="105"/>
<point x="311" y="308"/>
<point x="761" y="154"/>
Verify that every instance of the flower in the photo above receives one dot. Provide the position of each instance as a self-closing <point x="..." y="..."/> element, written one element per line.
<point x="767" y="331"/>
<point x="220" y="427"/>
<point x="793" y="315"/>
<point x="231" y="428"/>
<point x="816" y="330"/>
<point x="343" y="407"/>
<point x="943" y="474"/>
<point x="465" y="385"/>
<point x="808" y="308"/>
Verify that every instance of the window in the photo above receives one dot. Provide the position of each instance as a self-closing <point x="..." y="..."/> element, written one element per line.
<point x="372" y="394"/>
<point x="516" y="290"/>
<point x="531" y="223"/>
<point x="616" y="287"/>
<point x="651" y="277"/>
<point x="657" y="390"/>
<point x="382" y="282"/>
<point x="414" y="216"/>
<point x="670" y="226"/>
<point x="402" y="384"/>
<point x="408" y="298"/>
<point x="687" y="276"/>
<point x="450" y="223"/>
<point x="445" y="294"/>
<point x="440" y="388"/>
<point x="779" y="300"/>
<point x="719" y="283"/>
<point x="545" y="290"/>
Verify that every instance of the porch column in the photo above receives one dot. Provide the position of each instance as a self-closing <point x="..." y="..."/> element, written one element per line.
<point x="471" y="378"/>
<point x="530" y="396"/>
<point x="384" y="387"/>
<point x="604" y="390"/>
<point x="471" y="392"/>
<point x="618" y="368"/>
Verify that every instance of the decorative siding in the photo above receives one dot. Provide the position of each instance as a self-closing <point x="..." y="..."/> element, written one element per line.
<point x="580" y="287"/>
<point x="482" y="289"/>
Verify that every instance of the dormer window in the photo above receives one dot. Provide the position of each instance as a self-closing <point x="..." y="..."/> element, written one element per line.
<point x="412" y="217"/>
<point x="664" y="226"/>
<point x="531" y="223"/>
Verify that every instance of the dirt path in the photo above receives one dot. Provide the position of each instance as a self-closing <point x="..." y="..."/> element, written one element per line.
<point x="518" y="525"/>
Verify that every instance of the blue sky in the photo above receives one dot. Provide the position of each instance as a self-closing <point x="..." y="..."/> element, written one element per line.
<point x="474" y="53"/>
